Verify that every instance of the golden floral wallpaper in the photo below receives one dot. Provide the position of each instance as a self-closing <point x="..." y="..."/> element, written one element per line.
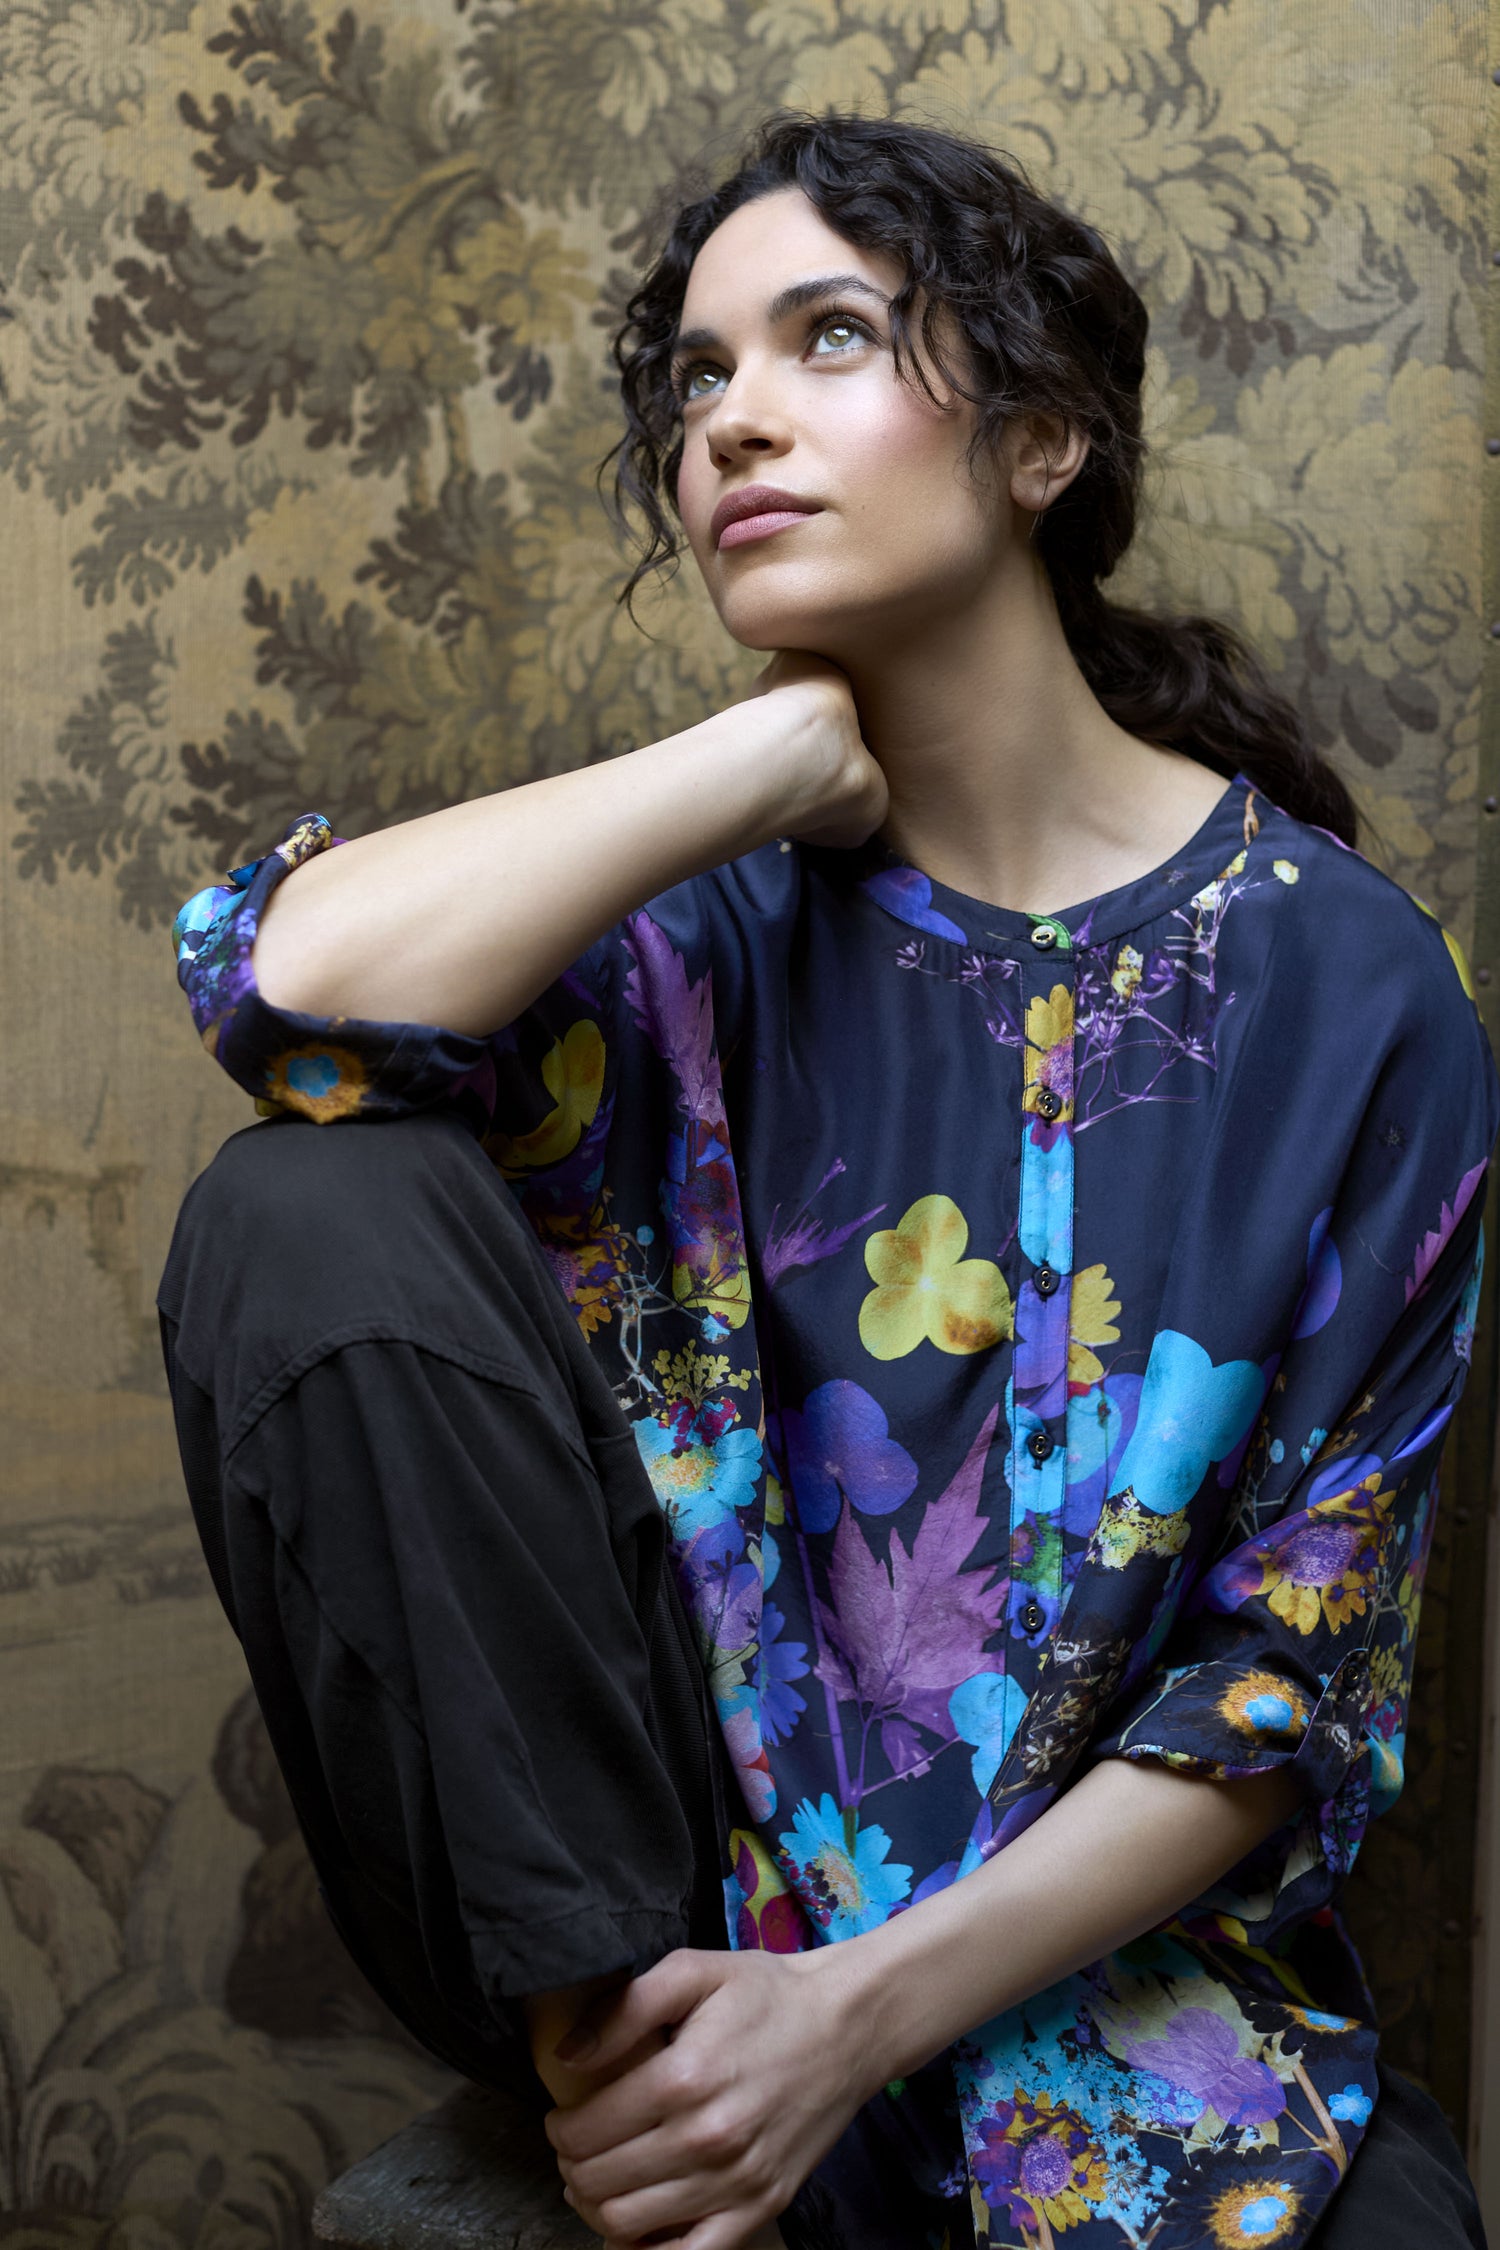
<point x="303" y="379"/>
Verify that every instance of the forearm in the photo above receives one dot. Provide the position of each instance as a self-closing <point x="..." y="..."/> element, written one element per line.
<point x="464" y="916"/>
<point x="1122" y="1851"/>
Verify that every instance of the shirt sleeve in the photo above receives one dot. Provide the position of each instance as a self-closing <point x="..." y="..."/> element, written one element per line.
<point x="539" y="1092"/>
<point x="1294" y="1644"/>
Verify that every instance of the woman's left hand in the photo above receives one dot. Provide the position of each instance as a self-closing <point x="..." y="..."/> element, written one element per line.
<point x="708" y="2139"/>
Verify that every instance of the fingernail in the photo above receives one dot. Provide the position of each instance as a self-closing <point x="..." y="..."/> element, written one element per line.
<point x="570" y="2197"/>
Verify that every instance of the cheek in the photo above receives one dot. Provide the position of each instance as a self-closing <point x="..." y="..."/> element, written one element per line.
<point x="697" y="489"/>
<point x="903" y="469"/>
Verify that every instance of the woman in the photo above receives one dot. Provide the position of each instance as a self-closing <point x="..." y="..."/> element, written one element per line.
<point x="948" y="1467"/>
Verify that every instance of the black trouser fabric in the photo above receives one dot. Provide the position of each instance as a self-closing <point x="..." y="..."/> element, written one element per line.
<point x="429" y="1524"/>
<point x="432" y="1530"/>
<point x="1408" y="2187"/>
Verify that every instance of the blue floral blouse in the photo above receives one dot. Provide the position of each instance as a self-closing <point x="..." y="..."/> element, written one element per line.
<point x="1040" y="1334"/>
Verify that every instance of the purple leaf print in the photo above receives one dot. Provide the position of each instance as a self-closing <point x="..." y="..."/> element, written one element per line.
<point x="1429" y="1249"/>
<point x="1200" y="2055"/>
<point x="838" y="1444"/>
<point x="901" y="1639"/>
<point x="676" y="1016"/>
<point x="804" y="1240"/>
<point x="901" y="1744"/>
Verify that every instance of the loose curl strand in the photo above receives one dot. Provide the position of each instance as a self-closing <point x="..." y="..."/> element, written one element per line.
<point x="1048" y="323"/>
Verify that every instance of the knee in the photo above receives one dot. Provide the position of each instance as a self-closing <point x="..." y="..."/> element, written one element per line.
<point x="286" y="1189"/>
<point x="295" y="1228"/>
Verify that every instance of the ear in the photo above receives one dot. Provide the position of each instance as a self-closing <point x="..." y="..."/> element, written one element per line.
<point x="1048" y="454"/>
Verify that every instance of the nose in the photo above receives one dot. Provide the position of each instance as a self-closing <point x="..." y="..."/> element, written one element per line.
<point x="747" y="422"/>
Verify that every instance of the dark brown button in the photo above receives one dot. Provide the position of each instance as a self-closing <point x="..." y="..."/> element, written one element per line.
<point x="1041" y="1444"/>
<point x="1047" y="1104"/>
<point x="1044" y="1281"/>
<point x="1033" y="1616"/>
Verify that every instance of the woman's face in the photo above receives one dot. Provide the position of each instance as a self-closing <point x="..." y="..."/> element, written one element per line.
<point x="786" y="379"/>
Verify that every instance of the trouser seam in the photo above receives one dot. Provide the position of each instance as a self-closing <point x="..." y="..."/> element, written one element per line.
<point x="501" y="1373"/>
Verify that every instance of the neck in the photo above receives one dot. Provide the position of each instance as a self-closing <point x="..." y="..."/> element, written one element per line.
<point x="1007" y="779"/>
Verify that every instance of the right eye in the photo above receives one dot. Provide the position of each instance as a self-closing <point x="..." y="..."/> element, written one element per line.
<point x="685" y="380"/>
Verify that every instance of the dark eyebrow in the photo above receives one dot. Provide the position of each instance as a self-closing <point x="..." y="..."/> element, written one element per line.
<point x="789" y="300"/>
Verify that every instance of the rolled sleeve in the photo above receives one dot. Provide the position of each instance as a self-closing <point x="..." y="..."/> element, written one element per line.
<point x="537" y="1090"/>
<point x="1295" y="1647"/>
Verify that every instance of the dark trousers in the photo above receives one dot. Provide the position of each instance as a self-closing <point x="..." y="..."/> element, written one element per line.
<point x="432" y="1531"/>
<point x="430" y="1526"/>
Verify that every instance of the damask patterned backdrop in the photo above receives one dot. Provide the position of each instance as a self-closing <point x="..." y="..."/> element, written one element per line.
<point x="302" y="384"/>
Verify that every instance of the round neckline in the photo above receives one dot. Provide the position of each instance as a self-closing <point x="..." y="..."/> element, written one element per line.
<point x="1202" y="857"/>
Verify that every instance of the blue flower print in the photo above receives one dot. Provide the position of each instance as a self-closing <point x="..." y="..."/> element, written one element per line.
<point x="1045" y="1613"/>
<point x="1038" y="1486"/>
<point x="1325" y="1279"/>
<point x="907" y="893"/>
<point x="1191" y="1415"/>
<point x="699" y="1486"/>
<point x="1351" y="2107"/>
<point x="1047" y="1202"/>
<point x="839" y="1869"/>
<point x="777" y="1663"/>
<point x="1101" y="1422"/>
<point x="986" y="1710"/>
<point x="839" y="1441"/>
<point x="1468" y="1311"/>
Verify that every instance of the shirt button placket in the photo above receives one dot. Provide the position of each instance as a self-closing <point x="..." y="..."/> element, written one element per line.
<point x="1040" y="1456"/>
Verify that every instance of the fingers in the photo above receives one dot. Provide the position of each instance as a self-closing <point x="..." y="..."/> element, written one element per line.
<point x="662" y="1996"/>
<point x="732" y="2225"/>
<point x="713" y="2161"/>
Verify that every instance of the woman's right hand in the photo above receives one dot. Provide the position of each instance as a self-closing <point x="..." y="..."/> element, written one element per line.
<point x="852" y="797"/>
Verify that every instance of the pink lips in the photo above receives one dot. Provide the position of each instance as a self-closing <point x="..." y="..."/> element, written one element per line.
<point x="755" y="512"/>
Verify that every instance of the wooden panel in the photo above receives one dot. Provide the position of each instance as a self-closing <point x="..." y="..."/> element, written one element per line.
<point x="474" y="2174"/>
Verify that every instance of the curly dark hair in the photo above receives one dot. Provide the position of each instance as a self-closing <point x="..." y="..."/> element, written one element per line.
<point x="1049" y="323"/>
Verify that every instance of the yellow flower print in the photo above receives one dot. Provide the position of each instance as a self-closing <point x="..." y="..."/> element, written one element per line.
<point x="320" y="1082"/>
<point x="1455" y="950"/>
<point x="1409" y="1602"/>
<point x="722" y="1289"/>
<point x="309" y="837"/>
<point x="1387" y="1675"/>
<point x="1126" y="973"/>
<point x="770" y="1919"/>
<point x="927" y="1288"/>
<point x="1091" y="1320"/>
<point x="1254" y="2212"/>
<point x="1049" y="1055"/>
<point x="589" y="1267"/>
<point x="1059" y="2167"/>
<point x="1262" y="1703"/>
<point x="1286" y="871"/>
<point x="1125" y="1529"/>
<point x="573" y="1074"/>
<point x="1326" y="1567"/>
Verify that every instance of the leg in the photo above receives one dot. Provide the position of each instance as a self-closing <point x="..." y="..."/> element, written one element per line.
<point x="430" y="1526"/>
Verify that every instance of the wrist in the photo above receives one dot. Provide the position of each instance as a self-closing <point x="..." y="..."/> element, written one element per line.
<point x="861" y="2003"/>
<point x="772" y="756"/>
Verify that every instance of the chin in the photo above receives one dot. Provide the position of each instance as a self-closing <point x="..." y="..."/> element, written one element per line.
<point x="770" y="618"/>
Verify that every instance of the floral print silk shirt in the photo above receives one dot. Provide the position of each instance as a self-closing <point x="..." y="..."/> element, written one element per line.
<point x="1040" y="1334"/>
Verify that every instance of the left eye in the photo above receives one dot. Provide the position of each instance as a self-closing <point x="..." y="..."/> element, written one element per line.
<point x="843" y="330"/>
